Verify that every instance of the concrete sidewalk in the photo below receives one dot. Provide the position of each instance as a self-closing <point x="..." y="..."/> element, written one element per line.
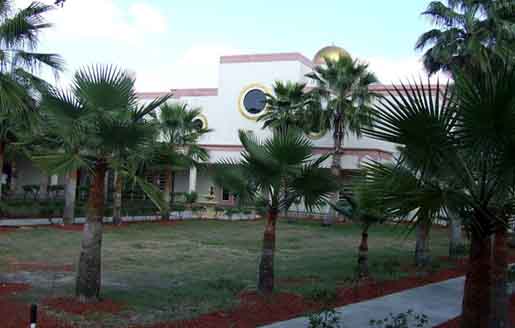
<point x="441" y="302"/>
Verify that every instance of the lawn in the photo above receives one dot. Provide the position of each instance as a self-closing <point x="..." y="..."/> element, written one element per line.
<point x="170" y="272"/>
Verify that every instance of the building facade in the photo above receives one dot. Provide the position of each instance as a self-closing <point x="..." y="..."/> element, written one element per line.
<point x="234" y="105"/>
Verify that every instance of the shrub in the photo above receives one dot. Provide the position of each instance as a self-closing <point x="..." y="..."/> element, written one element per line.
<point x="321" y="295"/>
<point x="401" y="320"/>
<point x="327" y="318"/>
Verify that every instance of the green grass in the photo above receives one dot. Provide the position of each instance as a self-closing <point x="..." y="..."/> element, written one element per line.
<point x="181" y="271"/>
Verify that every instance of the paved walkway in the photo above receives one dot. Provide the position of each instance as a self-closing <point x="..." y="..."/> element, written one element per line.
<point x="439" y="301"/>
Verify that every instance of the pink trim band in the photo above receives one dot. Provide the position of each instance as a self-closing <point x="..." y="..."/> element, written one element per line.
<point x="360" y="152"/>
<point x="259" y="58"/>
<point x="179" y="93"/>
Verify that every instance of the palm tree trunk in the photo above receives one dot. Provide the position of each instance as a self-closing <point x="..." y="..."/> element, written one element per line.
<point x="499" y="317"/>
<point x="70" y="193"/>
<point x="88" y="282"/>
<point x="363" y="255"/>
<point x="165" y="213"/>
<point x="266" y="265"/>
<point x="422" y="252"/>
<point x="330" y="217"/>
<point x="14" y="175"/>
<point x="476" y="300"/>
<point x="455" y="238"/>
<point x="2" y="155"/>
<point x="117" y="201"/>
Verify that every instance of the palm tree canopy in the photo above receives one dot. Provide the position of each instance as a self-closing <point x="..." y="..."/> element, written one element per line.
<point x="20" y="88"/>
<point x="469" y="31"/>
<point x="98" y="119"/>
<point x="267" y="164"/>
<point x="460" y="141"/>
<point x="286" y="107"/>
<point x="343" y="85"/>
<point x="179" y="136"/>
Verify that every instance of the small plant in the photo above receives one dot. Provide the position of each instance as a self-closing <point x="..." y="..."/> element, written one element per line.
<point x="219" y="210"/>
<point x="321" y="295"/>
<point x="402" y="320"/>
<point x="231" y="211"/>
<point x="179" y="208"/>
<point x="31" y="190"/>
<point x="327" y="318"/>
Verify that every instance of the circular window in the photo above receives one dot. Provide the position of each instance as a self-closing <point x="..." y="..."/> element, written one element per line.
<point x="200" y="122"/>
<point x="253" y="101"/>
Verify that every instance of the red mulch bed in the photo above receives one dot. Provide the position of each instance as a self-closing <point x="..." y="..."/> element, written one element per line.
<point x="39" y="267"/>
<point x="255" y="310"/>
<point x="9" y="289"/>
<point x="71" y="305"/>
<point x="455" y="323"/>
<point x="6" y="230"/>
<point x="16" y="314"/>
<point x="110" y="226"/>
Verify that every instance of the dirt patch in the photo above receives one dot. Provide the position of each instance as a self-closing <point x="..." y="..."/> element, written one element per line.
<point x="38" y="267"/>
<point x="71" y="305"/>
<point x="296" y="281"/>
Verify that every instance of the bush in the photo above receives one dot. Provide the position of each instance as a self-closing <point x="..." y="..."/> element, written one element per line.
<point x="327" y="318"/>
<point x="401" y="320"/>
<point x="321" y="295"/>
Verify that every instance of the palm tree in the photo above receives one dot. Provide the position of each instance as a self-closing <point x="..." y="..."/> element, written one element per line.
<point x="285" y="108"/>
<point x="101" y="112"/>
<point x="180" y="133"/>
<point x="363" y="209"/>
<point x="464" y="138"/>
<point x="343" y="85"/>
<point x="262" y="170"/>
<point x="469" y="32"/>
<point x="20" y="88"/>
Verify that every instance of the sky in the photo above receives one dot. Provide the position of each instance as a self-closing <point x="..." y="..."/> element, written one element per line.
<point x="177" y="43"/>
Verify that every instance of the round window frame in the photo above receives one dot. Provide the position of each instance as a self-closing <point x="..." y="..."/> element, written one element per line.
<point x="203" y="119"/>
<point x="241" y="101"/>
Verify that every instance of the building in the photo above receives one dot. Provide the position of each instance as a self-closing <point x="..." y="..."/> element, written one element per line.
<point x="235" y="104"/>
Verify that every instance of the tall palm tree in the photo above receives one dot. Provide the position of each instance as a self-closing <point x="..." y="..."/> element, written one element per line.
<point x="101" y="111"/>
<point x="285" y="108"/>
<point x="465" y="139"/>
<point x="178" y="149"/>
<point x="20" y="88"/>
<point x="343" y="85"/>
<point x="469" y="31"/>
<point x="262" y="170"/>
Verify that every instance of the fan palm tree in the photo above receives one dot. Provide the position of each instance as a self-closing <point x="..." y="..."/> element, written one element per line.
<point x="178" y="149"/>
<point x="262" y="170"/>
<point x="20" y="88"/>
<point x="469" y="32"/>
<point x="362" y="208"/>
<point x="343" y="86"/>
<point x="285" y="108"/>
<point x="465" y="139"/>
<point x="101" y="121"/>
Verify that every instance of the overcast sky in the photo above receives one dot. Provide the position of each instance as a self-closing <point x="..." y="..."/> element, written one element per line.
<point x="177" y="43"/>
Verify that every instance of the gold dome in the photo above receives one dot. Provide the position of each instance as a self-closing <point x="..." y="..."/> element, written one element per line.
<point x="331" y="52"/>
